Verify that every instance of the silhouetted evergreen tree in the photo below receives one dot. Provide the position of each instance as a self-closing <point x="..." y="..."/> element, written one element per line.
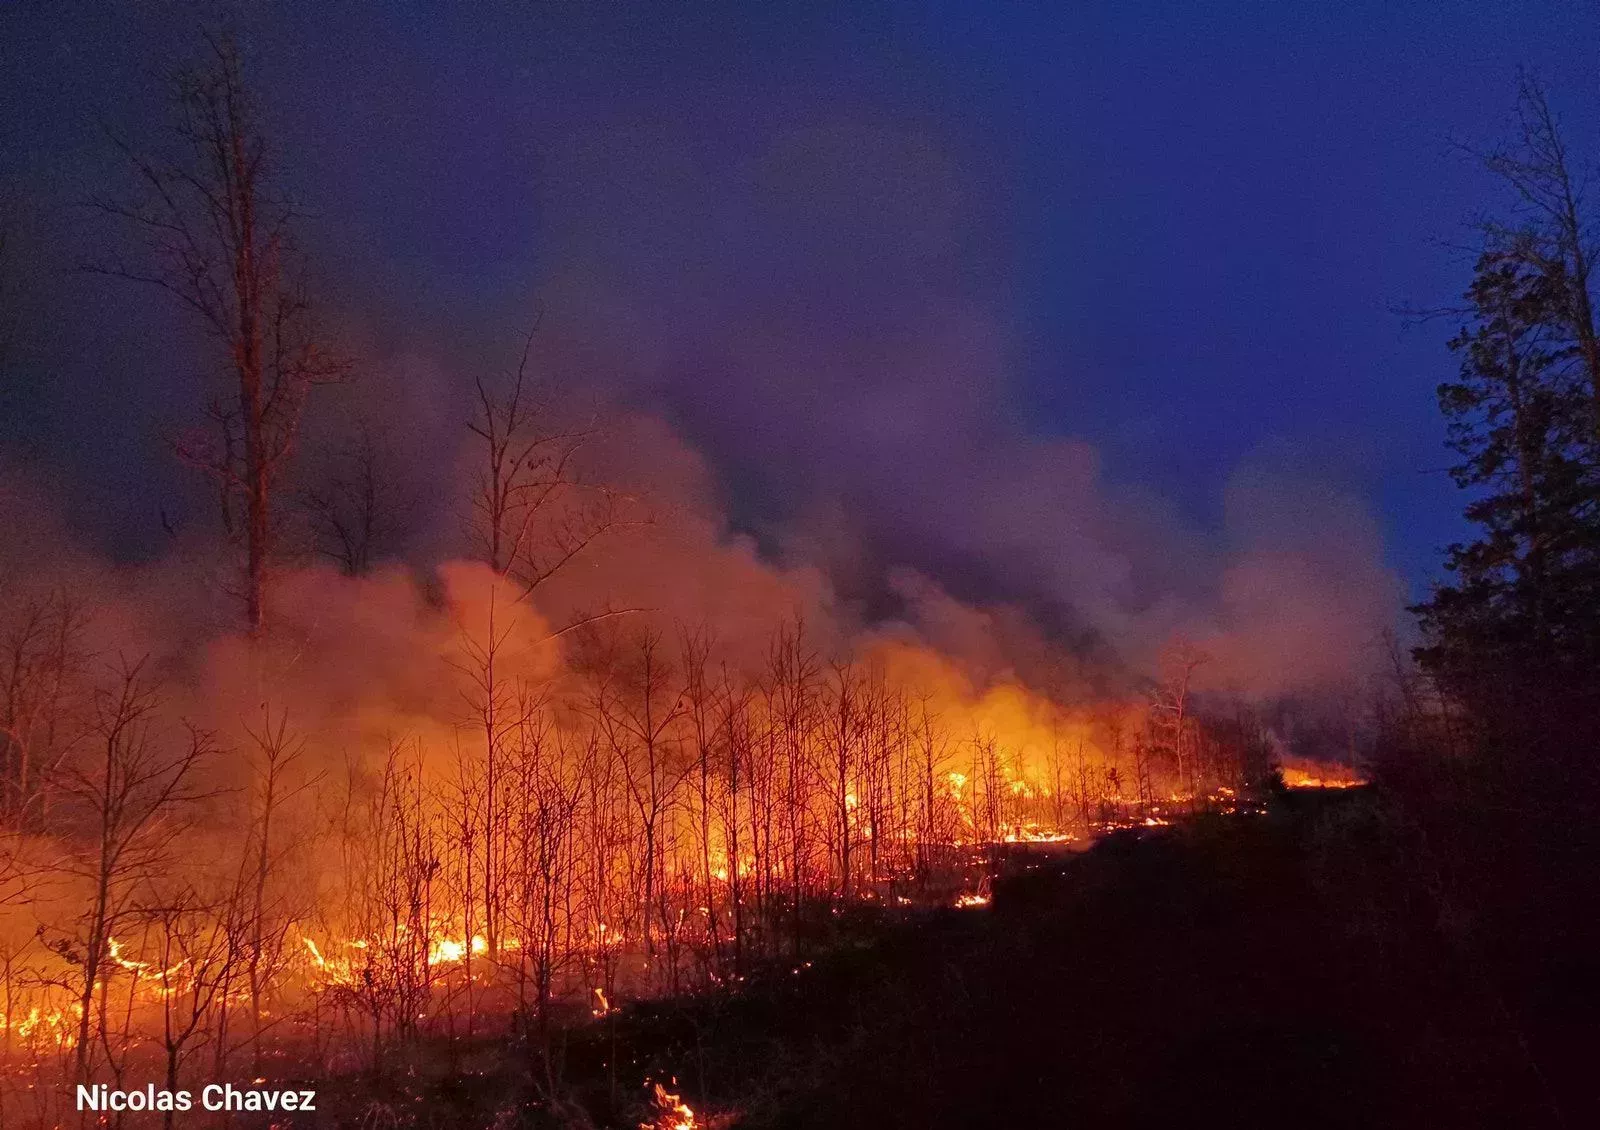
<point x="1526" y="594"/>
<point x="1515" y="634"/>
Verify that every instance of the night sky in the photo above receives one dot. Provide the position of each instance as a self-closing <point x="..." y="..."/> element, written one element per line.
<point x="814" y="236"/>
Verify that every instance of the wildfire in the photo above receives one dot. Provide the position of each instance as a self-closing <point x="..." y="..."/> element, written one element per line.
<point x="671" y="1112"/>
<point x="448" y="951"/>
<point x="59" y="1025"/>
<point x="443" y="949"/>
<point x="1034" y="834"/>
<point x="1321" y="776"/>
<point x="114" y="950"/>
<point x="970" y="900"/>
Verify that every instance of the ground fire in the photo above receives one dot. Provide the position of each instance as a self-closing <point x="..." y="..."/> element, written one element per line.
<point x="633" y="822"/>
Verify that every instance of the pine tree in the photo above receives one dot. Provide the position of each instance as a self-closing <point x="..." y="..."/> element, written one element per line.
<point x="1526" y="595"/>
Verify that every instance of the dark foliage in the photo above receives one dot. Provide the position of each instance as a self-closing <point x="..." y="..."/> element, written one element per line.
<point x="1292" y="970"/>
<point x="1502" y="791"/>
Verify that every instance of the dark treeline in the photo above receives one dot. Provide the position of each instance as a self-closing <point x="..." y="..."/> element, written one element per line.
<point x="1502" y="786"/>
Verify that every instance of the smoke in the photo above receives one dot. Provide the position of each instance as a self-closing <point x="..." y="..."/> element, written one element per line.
<point x="795" y="350"/>
<point x="817" y="317"/>
<point x="364" y="661"/>
<point x="1304" y="598"/>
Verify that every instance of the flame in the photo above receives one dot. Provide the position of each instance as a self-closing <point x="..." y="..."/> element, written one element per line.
<point x="114" y="952"/>
<point x="1320" y="775"/>
<point x="671" y="1113"/>
<point x="57" y="1027"/>
<point x="1035" y="834"/>
<point x="449" y="951"/>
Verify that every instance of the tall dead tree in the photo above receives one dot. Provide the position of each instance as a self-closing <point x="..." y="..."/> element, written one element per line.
<point x="218" y="236"/>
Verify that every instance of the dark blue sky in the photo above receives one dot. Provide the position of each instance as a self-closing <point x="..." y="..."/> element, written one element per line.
<point x="1179" y="227"/>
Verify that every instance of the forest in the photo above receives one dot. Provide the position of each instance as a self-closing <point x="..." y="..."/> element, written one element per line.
<point x="295" y="800"/>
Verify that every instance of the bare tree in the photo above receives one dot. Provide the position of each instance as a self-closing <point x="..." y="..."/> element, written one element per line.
<point x="354" y="508"/>
<point x="533" y="513"/>
<point x="194" y="958"/>
<point x="275" y="757"/>
<point x="1083" y="784"/>
<point x="130" y="798"/>
<point x="738" y="745"/>
<point x="935" y="819"/>
<point x="637" y="709"/>
<point x="546" y="795"/>
<point x="706" y="720"/>
<point x="218" y="237"/>
<point x="395" y="852"/>
<point x="493" y="702"/>
<point x="40" y="665"/>
<point x="793" y="699"/>
<point x="1171" y="707"/>
<point x="840" y="768"/>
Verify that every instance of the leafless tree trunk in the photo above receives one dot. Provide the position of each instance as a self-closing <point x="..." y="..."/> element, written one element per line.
<point x="738" y="744"/>
<point x="130" y="797"/>
<point x="1171" y="705"/>
<point x="637" y="713"/>
<point x="219" y="239"/>
<point x="194" y="957"/>
<point x="40" y="662"/>
<point x="703" y="714"/>
<point x="841" y="757"/>
<point x="793" y="672"/>
<point x="492" y="700"/>
<point x="398" y="863"/>
<point x="277" y="754"/>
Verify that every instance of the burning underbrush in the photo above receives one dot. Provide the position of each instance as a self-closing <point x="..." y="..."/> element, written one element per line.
<point x="400" y="824"/>
<point x="1300" y="773"/>
<point x="202" y="988"/>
